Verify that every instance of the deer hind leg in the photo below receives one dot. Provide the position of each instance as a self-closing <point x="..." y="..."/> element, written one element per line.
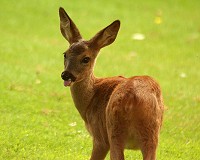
<point x="149" y="152"/>
<point x="149" y="146"/>
<point x="116" y="135"/>
<point x="116" y="148"/>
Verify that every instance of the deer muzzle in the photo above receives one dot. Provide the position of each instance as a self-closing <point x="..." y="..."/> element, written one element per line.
<point x="68" y="78"/>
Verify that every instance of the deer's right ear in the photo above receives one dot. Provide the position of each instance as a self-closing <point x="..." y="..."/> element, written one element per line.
<point x="68" y="28"/>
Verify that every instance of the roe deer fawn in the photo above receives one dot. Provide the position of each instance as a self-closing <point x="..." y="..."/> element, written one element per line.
<point x="119" y="113"/>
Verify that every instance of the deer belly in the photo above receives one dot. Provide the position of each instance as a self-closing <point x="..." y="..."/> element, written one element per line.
<point x="132" y="143"/>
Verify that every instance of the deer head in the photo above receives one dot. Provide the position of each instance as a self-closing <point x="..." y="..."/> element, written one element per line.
<point x="79" y="59"/>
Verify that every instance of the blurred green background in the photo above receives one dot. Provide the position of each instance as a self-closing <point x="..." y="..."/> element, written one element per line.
<point x="38" y="119"/>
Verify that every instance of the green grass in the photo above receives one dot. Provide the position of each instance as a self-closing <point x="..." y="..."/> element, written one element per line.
<point x="37" y="113"/>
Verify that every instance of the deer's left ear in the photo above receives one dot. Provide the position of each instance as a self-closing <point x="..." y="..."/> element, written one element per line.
<point x="68" y="28"/>
<point x="106" y="36"/>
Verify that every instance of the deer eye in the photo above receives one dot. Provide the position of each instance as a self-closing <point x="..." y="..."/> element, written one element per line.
<point x="85" y="60"/>
<point x="65" y="56"/>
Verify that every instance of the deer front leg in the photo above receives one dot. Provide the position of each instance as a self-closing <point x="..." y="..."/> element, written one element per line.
<point x="99" y="151"/>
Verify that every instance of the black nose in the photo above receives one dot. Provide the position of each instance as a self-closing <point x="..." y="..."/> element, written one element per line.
<point x="62" y="75"/>
<point x="67" y="75"/>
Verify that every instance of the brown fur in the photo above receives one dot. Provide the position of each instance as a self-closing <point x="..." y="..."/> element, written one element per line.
<point x="119" y="112"/>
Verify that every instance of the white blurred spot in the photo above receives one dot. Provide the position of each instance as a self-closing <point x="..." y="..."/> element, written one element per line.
<point x="72" y="124"/>
<point x="138" y="36"/>
<point x="133" y="54"/>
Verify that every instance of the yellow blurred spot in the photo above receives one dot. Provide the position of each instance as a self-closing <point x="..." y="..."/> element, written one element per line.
<point x="183" y="75"/>
<point x="158" y="20"/>
<point x="37" y="81"/>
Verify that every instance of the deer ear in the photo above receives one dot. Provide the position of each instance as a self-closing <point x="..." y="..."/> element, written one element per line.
<point x="106" y="36"/>
<point x="68" y="28"/>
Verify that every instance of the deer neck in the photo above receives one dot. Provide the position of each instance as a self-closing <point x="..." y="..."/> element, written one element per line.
<point x="82" y="93"/>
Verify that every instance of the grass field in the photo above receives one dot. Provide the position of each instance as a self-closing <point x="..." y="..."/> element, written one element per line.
<point x="38" y="119"/>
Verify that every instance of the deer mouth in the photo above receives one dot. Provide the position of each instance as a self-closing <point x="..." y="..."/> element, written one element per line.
<point x="67" y="83"/>
<point x="68" y="78"/>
